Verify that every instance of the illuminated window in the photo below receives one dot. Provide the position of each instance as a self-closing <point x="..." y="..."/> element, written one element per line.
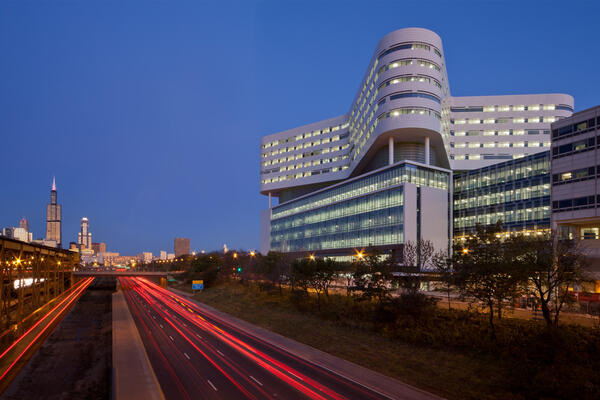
<point x="533" y="107"/>
<point x="489" y="121"/>
<point x="474" y="121"/>
<point x="518" y="132"/>
<point x="474" y="145"/>
<point x="549" y="107"/>
<point x="460" y="133"/>
<point x="590" y="233"/>
<point x="490" y="144"/>
<point x="489" y="133"/>
<point x="519" y="144"/>
<point x="504" y="144"/>
<point x="518" y="108"/>
<point x="459" y="121"/>
<point x="460" y="145"/>
<point x="489" y="108"/>
<point x="518" y="120"/>
<point x="549" y="119"/>
<point x="503" y="108"/>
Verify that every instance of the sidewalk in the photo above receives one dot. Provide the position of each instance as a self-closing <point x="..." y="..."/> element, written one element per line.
<point x="133" y="375"/>
<point x="375" y="381"/>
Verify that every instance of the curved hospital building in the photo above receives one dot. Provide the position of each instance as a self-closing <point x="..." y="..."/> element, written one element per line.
<point x="382" y="174"/>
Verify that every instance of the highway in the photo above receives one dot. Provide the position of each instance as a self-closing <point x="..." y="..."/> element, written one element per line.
<point x="195" y="355"/>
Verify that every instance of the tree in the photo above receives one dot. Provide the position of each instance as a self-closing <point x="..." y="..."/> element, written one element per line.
<point x="442" y="264"/>
<point x="316" y="274"/>
<point x="418" y="254"/>
<point x="548" y="267"/>
<point x="483" y="271"/>
<point x="373" y="275"/>
<point x="274" y="267"/>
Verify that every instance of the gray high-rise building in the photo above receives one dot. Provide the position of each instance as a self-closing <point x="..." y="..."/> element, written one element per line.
<point x="54" y="217"/>
<point x="182" y="246"/>
<point x="85" y="236"/>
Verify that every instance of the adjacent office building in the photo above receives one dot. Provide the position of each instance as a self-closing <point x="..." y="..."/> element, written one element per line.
<point x="181" y="246"/>
<point x="54" y="218"/>
<point x="382" y="174"/>
<point x="576" y="178"/>
<point x="516" y="192"/>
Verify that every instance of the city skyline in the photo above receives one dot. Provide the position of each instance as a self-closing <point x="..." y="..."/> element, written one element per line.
<point x="152" y="166"/>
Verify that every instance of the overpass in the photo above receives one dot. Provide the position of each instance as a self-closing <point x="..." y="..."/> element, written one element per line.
<point x="107" y="273"/>
<point x="158" y="276"/>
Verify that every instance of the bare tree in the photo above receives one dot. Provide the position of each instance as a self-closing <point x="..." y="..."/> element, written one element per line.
<point x="442" y="264"/>
<point x="418" y="254"/>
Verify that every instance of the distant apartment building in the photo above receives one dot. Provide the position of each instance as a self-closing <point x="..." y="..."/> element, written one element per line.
<point x="576" y="178"/>
<point x="170" y="256"/>
<point x="145" y="257"/>
<point x="163" y="255"/>
<point x="17" y="233"/>
<point x="84" y="238"/>
<point x="22" y="234"/>
<point x="181" y="246"/>
<point x="99" y="247"/>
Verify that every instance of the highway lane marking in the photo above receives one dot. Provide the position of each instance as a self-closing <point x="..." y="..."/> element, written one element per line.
<point x="291" y="373"/>
<point x="174" y="340"/>
<point x="185" y="354"/>
<point x="199" y="336"/>
<point x="220" y="353"/>
<point x="211" y="385"/>
<point x="255" y="380"/>
<point x="161" y="326"/>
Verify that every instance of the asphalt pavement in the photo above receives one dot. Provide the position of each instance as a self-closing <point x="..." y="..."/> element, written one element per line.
<point x="197" y="355"/>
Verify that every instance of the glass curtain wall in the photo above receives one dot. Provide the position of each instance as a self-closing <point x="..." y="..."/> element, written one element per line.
<point x="366" y="211"/>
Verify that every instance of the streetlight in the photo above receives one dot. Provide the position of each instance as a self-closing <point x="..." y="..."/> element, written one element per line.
<point x="252" y="253"/>
<point x="465" y="251"/>
<point x="312" y="257"/>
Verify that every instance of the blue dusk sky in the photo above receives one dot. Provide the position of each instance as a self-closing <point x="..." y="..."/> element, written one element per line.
<point x="150" y="113"/>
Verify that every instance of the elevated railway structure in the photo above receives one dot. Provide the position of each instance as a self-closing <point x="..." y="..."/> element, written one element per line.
<point x="31" y="276"/>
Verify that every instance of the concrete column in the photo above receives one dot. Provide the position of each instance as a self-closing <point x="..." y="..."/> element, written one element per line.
<point x="391" y="150"/>
<point x="427" y="150"/>
<point x="269" y="199"/>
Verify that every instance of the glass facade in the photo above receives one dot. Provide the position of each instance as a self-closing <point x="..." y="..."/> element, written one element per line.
<point x="365" y="211"/>
<point x="516" y="192"/>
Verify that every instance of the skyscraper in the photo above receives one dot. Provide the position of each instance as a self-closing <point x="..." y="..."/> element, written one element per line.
<point x="23" y="223"/>
<point x="85" y="236"/>
<point x="182" y="246"/>
<point x="53" y="217"/>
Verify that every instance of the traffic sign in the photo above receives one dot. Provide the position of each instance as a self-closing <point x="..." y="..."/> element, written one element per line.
<point x="197" y="284"/>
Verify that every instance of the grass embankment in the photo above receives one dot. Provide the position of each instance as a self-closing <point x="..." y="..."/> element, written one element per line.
<point x="446" y="354"/>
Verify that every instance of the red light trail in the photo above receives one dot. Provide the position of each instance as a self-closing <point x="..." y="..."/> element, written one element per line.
<point x="68" y="300"/>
